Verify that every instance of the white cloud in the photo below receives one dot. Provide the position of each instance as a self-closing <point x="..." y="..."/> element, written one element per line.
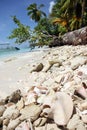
<point x="52" y="3"/>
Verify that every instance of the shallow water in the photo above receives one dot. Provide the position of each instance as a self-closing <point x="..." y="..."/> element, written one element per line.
<point x="4" y="53"/>
<point x="12" y="52"/>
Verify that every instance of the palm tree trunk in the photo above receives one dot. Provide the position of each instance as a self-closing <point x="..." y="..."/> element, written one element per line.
<point x="83" y="10"/>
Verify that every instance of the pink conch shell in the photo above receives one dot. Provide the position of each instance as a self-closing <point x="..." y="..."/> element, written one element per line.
<point x="61" y="107"/>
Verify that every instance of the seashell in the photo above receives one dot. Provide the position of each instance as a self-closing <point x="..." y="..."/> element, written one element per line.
<point x="60" y="107"/>
<point x="84" y="85"/>
<point x="84" y="118"/>
<point x="82" y="106"/>
<point x="63" y="108"/>
<point x="26" y="126"/>
<point x="47" y="112"/>
<point x="40" y="121"/>
<point x="30" y="98"/>
<point x="20" y="104"/>
<point x="40" y="99"/>
<point x="40" y="90"/>
<point x="81" y="91"/>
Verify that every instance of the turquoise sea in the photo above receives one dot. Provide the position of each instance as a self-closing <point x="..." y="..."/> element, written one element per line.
<point x="12" y="52"/>
<point x="4" y="53"/>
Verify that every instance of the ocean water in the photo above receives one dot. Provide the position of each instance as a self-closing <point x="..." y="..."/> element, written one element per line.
<point x="12" y="52"/>
<point x="4" y="53"/>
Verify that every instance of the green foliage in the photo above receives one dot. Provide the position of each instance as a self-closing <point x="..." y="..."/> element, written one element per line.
<point x="39" y="39"/>
<point x="71" y="11"/>
<point x="45" y="25"/>
<point x="62" y="30"/>
<point x="21" y="33"/>
<point x="34" y="12"/>
<point x="66" y="15"/>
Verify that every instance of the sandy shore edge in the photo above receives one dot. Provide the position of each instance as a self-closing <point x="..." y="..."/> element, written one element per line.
<point x="14" y="71"/>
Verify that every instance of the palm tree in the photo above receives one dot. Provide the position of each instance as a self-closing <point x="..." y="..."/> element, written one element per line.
<point x="83" y="11"/>
<point x="71" y="13"/>
<point x="34" y="12"/>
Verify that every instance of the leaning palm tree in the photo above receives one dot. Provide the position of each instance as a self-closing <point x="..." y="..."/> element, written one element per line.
<point x="34" y="12"/>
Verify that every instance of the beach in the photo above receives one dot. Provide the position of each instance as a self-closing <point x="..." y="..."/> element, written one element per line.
<point x="45" y="89"/>
<point x="14" y="71"/>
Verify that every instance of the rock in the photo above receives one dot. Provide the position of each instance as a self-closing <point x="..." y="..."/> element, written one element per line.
<point x="2" y="102"/>
<point x="11" y="112"/>
<point x="48" y="126"/>
<point x="43" y="121"/>
<point x="14" y="97"/>
<point x="20" y="104"/>
<point x="23" y="126"/>
<point x="13" y="124"/>
<point x="2" y="109"/>
<point x="81" y="126"/>
<point x="55" y="61"/>
<point x="40" y="122"/>
<point x="83" y="106"/>
<point x="59" y="78"/>
<point x="40" y="128"/>
<point x="77" y="61"/>
<point x="52" y="127"/>
<point x="73" y="122"/>
<point x="4" y="127"/>
<point x="31" y="111"/>
<point x="37" y="122"/>
<point x="6" y="121"/>
<point x="17" y="48"/>
<point x="84" y="118"/>
<point x="38" y="68"/>
<point x="1" y="121"/>
<point x="77" y="37"/>
<point x="56" y="42"/>
<point x="47" y="67"/>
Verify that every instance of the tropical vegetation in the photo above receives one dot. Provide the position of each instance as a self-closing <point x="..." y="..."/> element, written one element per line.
<point x="34" y="12"/>
<point x="66" y="15"/>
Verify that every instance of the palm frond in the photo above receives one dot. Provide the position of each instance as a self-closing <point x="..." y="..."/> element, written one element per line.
<point x="65" y="5"/>
<point x="40" y="6"/>
<point x="32" y="6"/>
<point x="29" y="13"/>
<point x="44" y="14"/>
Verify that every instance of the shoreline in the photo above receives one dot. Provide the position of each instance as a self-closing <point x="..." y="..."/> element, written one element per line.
<point x="14" y="71"/>
<point x="43" y="86"/>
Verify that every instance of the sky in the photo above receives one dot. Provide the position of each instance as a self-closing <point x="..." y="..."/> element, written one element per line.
<point x="10" y="8"/>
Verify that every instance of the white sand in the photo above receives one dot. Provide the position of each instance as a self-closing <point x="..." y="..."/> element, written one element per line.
<point x="14" y="71"/>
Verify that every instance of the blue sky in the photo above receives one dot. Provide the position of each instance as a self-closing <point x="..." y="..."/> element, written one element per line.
<point x="10" y="8"/>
